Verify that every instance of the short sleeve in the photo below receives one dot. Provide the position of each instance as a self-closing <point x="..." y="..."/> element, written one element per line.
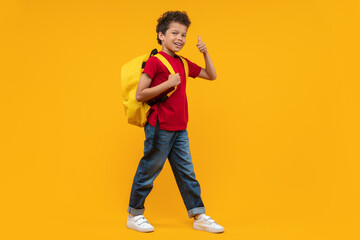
<point x="151" y="67"/>
<point x="194" y="69"/>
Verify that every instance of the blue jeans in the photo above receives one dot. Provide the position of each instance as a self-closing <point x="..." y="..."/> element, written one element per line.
<point x="173" y="145"/>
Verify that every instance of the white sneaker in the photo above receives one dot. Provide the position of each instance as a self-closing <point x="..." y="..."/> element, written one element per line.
<point x="205" y="223"/>
<point x="139" y="223"/>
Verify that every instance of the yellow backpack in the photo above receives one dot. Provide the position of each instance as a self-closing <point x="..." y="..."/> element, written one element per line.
<point x="137" y="112"/>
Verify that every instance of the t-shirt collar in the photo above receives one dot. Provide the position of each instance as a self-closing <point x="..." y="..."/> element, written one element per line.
<point x="167" y="55"/>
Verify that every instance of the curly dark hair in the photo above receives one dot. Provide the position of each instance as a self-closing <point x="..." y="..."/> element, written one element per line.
<point x="168" y="17"/>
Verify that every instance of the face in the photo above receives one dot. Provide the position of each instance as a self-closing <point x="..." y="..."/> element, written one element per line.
<point x="174" y="38"/>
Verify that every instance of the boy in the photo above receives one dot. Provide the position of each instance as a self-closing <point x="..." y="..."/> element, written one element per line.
<point x="172" y="139"/>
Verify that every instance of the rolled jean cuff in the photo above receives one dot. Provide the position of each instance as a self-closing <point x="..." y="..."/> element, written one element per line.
<point x="195" y="211"/>
<point x="135" y="211"/>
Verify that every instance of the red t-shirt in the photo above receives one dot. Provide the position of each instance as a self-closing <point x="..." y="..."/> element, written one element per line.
<point x="173" y="113"/>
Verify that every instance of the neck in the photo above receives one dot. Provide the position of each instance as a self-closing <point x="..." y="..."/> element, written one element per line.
<point x="168" y="52"/>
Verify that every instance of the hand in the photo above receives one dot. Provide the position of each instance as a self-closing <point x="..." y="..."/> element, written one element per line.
<point x="174" y="80"/>
<point x="201" y="46"/>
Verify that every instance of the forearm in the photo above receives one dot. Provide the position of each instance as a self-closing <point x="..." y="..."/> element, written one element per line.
<point x="209" y="66"/>
<point x="151" y="92"/>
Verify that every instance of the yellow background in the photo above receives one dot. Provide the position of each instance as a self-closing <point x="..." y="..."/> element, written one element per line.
<point x="274" y="140"/>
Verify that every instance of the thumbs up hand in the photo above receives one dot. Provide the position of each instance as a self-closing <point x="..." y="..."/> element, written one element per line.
<point x="201" y="46"/>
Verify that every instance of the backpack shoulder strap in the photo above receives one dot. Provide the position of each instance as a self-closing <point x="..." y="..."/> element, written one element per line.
<point x="169" y="67"/>
<point x="186" y="66"/>
<point x="165" y="62"/>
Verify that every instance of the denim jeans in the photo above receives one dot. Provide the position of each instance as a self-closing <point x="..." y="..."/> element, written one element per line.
<point x="173" y="145"/>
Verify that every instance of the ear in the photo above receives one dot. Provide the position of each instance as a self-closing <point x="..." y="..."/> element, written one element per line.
<point x="161" y="36"/>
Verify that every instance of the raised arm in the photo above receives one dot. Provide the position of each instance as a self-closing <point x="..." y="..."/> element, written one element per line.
<point x="208" y="72"/>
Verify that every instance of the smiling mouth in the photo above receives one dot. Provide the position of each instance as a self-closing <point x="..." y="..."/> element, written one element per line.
<point x="178" y="44"/>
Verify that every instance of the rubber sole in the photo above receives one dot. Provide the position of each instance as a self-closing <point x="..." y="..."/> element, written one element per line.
<point x="207" y="229"/>
<point x="139" y="229"/>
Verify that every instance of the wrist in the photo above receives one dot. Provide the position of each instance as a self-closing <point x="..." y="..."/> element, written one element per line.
<point x="168" y="84"/>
